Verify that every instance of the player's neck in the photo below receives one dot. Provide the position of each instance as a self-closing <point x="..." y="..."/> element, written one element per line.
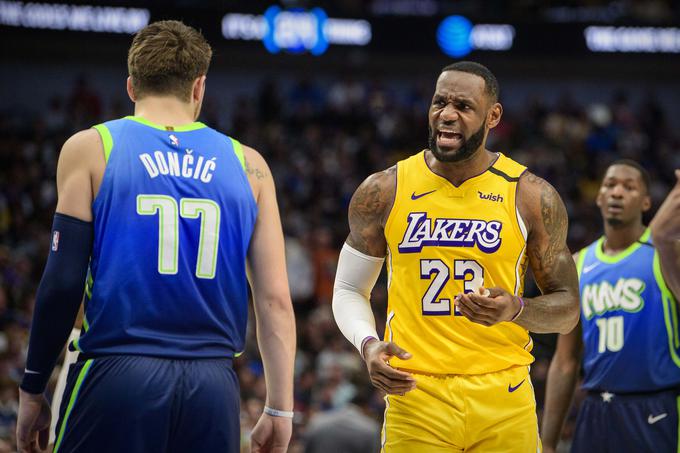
<point x="459" y="172"/>
<point x="165" y="110"/>
<point x="617" y="239"/>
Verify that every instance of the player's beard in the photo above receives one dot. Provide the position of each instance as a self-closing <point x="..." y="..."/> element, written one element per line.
<point x="466" y="149"/>
<point x="614" y="222"/>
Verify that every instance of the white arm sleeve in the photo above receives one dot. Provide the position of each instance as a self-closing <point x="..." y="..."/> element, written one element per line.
<point x="354" y="280"/>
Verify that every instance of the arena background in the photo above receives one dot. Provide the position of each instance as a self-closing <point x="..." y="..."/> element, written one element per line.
<point x="330" y="92"/>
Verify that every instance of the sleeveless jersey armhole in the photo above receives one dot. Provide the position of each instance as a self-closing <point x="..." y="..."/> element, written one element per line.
<point x="581" y="259"/>
<point x="238" y="150"/>
<point x="107" y="140"/>
<point x="398" y="177"/>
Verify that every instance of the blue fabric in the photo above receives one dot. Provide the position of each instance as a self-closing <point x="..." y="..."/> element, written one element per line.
<point x="58" y="298"/>
<point x="631" y="353"/>
<point x="137" y="404"/>
<point x="137" y="306"/>
<point x="622" y="425"/>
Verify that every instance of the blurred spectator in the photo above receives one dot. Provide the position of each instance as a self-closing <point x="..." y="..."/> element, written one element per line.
<point x="349" y="429"/>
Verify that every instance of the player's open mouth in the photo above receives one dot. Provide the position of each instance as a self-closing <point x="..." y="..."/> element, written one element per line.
<point x="615" y="208"/>
<point x="449" y="139"/>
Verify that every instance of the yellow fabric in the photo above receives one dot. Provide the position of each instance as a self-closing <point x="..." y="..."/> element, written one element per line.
<point x="475" y="414"/>
<point x="425" y="204"/>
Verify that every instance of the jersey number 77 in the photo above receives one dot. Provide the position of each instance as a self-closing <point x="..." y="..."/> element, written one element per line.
<point x="168" y="230"/>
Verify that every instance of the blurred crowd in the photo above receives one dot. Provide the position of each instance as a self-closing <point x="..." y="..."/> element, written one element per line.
<point x="321" y="141"/>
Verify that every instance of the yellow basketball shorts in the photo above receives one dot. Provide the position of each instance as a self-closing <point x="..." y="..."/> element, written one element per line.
<point x="486" y="413"/>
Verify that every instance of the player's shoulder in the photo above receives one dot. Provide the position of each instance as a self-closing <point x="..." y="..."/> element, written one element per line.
<point x="253" y="157"/>
<point x="534" y="191"/>
<point x="81" y="146"/>
<point x="384" y="180"/>
<point x="258" y="172"/>
<point x="539" y="203"/>
<point x="375" y="195"/>
<point x="532" y="184"/>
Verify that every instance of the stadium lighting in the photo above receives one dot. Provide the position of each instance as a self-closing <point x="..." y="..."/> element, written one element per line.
<point x="52" y="16"/>
<point x="457" y="36"/>
<point x="633" y="39"/>
<point x="296" y="30"/>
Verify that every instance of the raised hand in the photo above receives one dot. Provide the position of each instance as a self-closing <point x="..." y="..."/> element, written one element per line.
<point x="666" y="223"/>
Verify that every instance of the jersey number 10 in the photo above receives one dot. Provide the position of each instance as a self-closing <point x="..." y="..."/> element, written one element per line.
<point x="168" y="230"/>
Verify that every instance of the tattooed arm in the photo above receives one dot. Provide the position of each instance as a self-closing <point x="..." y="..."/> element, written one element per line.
<point x="557" y="309"/>
<point x="368" y="212"/>
<point x="359" y="265"/>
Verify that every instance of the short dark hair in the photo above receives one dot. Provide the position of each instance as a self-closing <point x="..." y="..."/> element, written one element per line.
<point x="644" y="174"/>
<point x="166" y="57"/>
<point x="491" y="84"/>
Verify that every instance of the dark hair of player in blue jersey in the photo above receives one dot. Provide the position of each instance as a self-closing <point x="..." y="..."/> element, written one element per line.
<point x="644" y="174"/>
<point x="166" y="57"/>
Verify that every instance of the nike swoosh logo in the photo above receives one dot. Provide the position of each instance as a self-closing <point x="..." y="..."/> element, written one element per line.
<point x="653" y="419"/>
<point x="590" y="268"/>
<point x="415" y="197"/>
<point x="512" y="389"/>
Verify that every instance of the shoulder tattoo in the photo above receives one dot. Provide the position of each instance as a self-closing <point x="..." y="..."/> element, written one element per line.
<point x="555" y="223"/>
<point x="255" y="171"/>
<point x="368" y="210"/>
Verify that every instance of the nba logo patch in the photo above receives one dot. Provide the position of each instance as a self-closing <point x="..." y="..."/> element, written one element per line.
<point x="55" y="241"/>
<point x="174" y="140"/>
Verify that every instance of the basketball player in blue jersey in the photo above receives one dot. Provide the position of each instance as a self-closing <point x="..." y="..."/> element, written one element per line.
<point x="628" y="334"/>
<point x="160" y="213"/>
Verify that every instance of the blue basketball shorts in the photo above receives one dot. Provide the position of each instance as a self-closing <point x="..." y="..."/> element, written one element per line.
<point x="141" y="404"/>
<point x="621" y="423"/>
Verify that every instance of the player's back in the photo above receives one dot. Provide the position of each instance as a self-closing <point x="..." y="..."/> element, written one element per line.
<point x="173" y="220"/>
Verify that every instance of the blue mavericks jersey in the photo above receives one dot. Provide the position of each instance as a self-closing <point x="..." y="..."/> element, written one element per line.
<point x="629" y="320"/>
<point x="173" y="220"/>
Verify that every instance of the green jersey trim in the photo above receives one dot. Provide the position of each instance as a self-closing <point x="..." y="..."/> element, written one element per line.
<point x="579" y="262"/>
<point x="238" y="150"/>
<point x="107" y="140"/>
<point x="72" y="401"/>
<point x="613" y="259"/>
<point x="670" y="311"/>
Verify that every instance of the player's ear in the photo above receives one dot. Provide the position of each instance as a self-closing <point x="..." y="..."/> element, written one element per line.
<point x="198" y="89"/>
<point x="493" y="117"/>
<point x="130" y="89"/>
<point x="598" y="200"/>
<point x="646" y="203"/>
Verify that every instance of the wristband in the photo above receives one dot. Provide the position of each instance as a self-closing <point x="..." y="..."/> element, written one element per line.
<point x="521" y="309"/>
<point x="277" y="413"/>
<point x="363" y="343"/>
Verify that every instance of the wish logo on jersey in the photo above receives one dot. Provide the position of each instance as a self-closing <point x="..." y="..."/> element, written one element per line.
<point x="442" y="232"/>
<point x="602" y="297"/>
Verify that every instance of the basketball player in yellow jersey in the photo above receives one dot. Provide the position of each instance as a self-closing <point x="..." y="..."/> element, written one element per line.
<point x="459" y="225"/>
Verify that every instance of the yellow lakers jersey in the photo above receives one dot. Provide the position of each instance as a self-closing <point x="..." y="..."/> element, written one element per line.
<point x="444" y="240"/>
